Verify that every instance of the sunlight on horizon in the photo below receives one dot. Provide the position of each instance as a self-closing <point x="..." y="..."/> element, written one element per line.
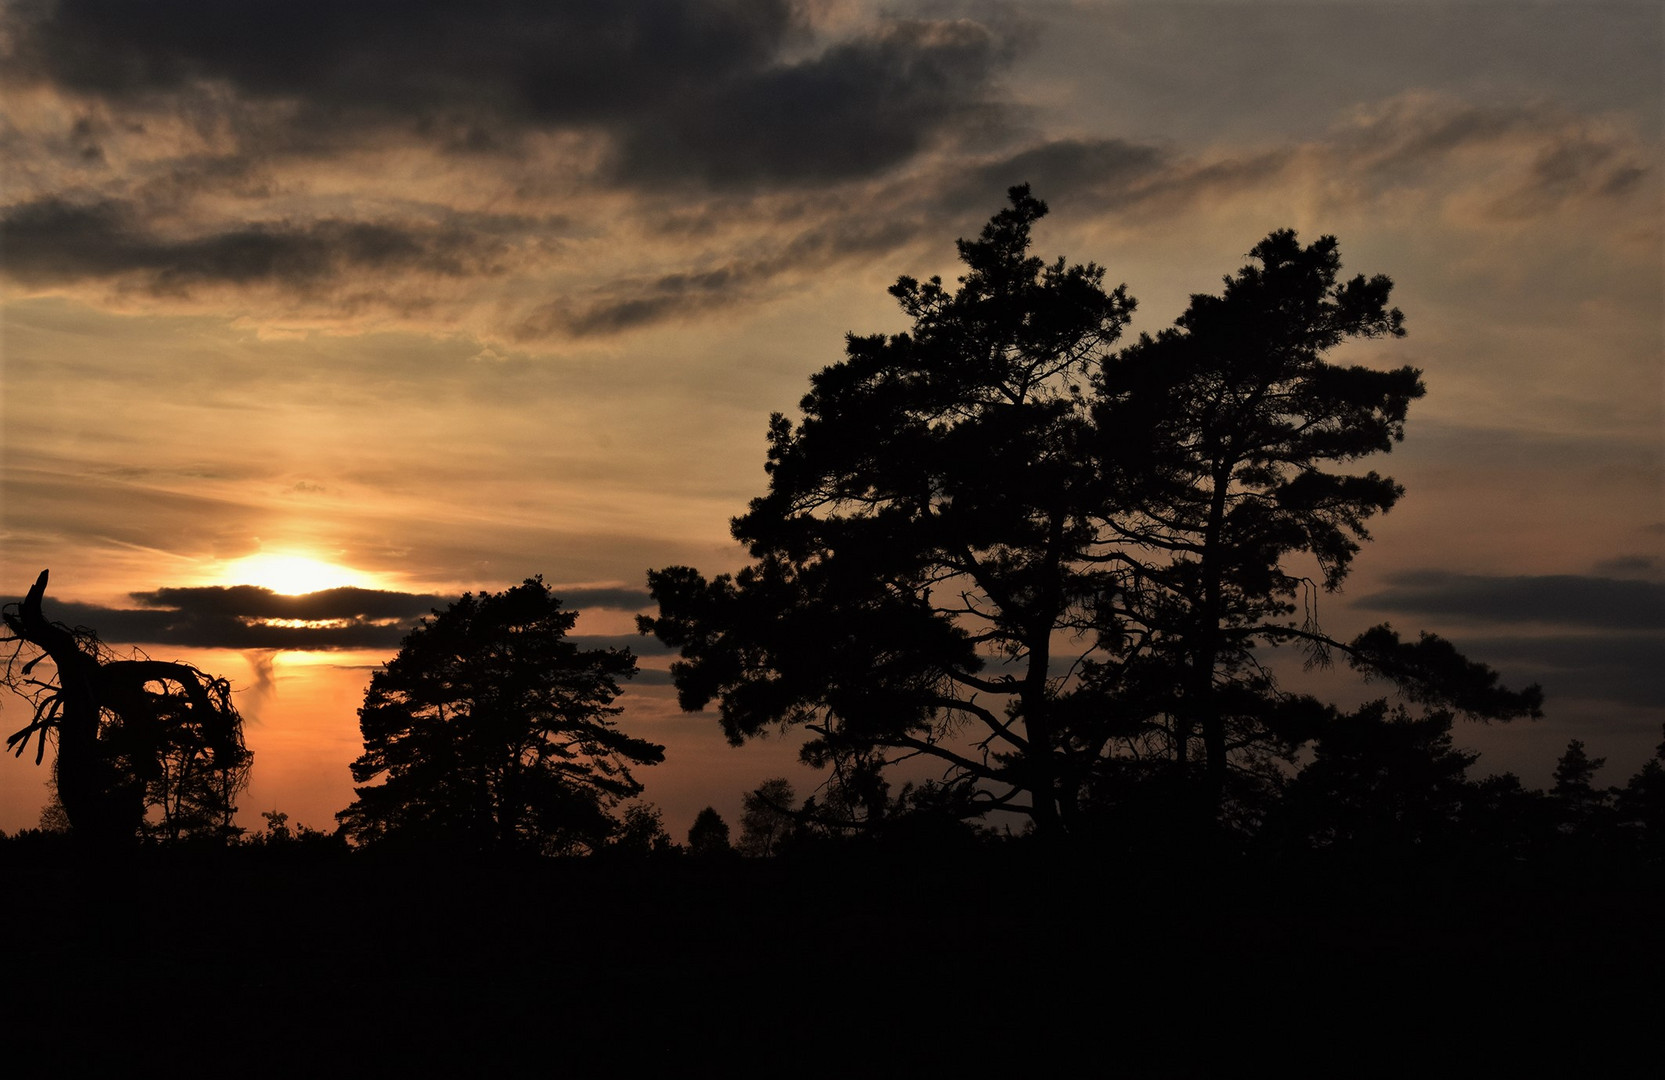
<point x="294" y="575"/>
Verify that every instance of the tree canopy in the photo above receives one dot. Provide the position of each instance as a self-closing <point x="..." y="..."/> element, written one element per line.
<point x="995" y="541"/>
<point x="1222" y="434"/>
<point x="709" y="834"/>
<point x="925" y="531"/>
<point x="491" y="731"/>
<point x="766" y="821"/>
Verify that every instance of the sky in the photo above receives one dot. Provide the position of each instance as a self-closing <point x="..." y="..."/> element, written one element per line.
<point x="424" y="297"/>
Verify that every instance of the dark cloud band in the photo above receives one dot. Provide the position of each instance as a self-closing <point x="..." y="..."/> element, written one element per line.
<point x="713" y="92"/>
<point x="248" y="617"/>
<point x="536" y="61"/>
<point x="1555" y="599"/>
<point x="1619" y="668"/>
<point x="51" y="240"/>
<point x="855" y="110"/>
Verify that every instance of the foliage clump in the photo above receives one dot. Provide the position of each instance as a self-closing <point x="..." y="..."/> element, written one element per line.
<point x="491" y="731"/>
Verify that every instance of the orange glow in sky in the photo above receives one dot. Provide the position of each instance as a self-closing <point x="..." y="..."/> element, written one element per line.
<point x="292" y="574"/>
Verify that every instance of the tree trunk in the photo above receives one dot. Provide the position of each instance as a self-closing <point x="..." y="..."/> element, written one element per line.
<point x="100" y="807"/>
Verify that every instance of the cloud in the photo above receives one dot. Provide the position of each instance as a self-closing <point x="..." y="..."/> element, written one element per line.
<point x="1556" y="599"/>
<point x="527" y="61"/>
<point x="627" y="304"/>
<point x="501" y="164"/>
<point x="1476" y="164"/>
<point x="1504" y="163"/>
<point x="719" y="92"/>
<point x="248" y="617"/>
<point x="1621" y="668"/>
<point x="613" y="598"/>
<point x="254" y="601"/>
<point x="251" y="618"/>
<point x="1105" y="171"/>
<point x="803" y="240"/>
<point x="1632" y="566"/>
<point x="1582" y="637"/>
<point x="857" y="109"/>
<point x="533" y="172"/>
<point x="52" y="240"/>
<point x="1543" y="156"/>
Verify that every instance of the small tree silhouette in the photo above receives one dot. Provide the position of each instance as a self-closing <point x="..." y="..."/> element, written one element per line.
<point x="491" y="731"/>
<point x="709" y="834"/>
<point x="1641" y="808"/>
<point x="1583" y="810"/>
<point x="766" y="820"/>
<point x="641" y="832"/>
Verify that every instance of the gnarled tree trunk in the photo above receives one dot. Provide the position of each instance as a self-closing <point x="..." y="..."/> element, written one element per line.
<point x="112" y="729"/>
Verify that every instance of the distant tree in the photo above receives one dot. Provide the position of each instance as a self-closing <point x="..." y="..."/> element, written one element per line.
<point x="52" y="816"/>
<point x="709" y="834"/>
<point x="277" y="828"/>
<point x="1503" y="820"/>
<point x="277" y="835"/>
<point x="491" y="731"/>
<point x="1582" y="808"/>
<point x="1574" y="771"/>
<point x="134" y="735"/>
<point x="855" y="799"/>
<point x="642" y="832"/>
<point x="1640" y="808"/>
<point x="766" y="818"/>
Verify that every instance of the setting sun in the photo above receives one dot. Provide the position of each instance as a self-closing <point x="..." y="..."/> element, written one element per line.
<point x="292" y="575"/>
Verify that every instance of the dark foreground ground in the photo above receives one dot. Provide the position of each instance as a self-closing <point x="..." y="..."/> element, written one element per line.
<point x="989" y="964"/>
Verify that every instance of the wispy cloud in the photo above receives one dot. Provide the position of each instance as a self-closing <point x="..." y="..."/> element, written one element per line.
<point x="52" y="240"/>
<point x="535" y="174"/>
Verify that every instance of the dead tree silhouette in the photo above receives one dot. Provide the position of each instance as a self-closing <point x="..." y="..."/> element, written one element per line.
<point x="132" y="733"/>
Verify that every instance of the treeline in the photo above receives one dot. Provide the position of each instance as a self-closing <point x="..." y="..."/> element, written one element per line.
<point x="1392" y="790"/>
<point x="1382" y="787"/>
